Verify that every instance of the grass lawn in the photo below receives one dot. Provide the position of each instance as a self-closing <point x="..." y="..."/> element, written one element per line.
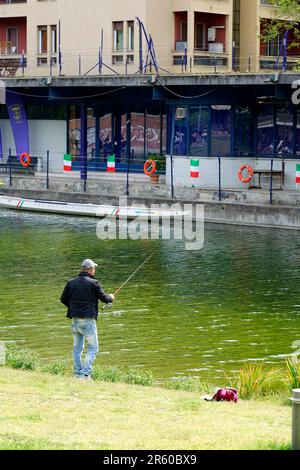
<point x="41" y="411"/>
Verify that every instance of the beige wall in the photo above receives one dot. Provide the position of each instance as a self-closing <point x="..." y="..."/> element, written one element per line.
<point x="249" y="35"/>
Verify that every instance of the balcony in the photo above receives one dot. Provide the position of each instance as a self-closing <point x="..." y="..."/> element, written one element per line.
<point x="273" y="49"/>
<point x="13" y="45"/>
<point x="209" y="35"/>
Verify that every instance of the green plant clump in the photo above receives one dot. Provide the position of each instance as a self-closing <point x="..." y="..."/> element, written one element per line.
<point x="293" y="372"/>
<point x="255" y="380"/>
<point x="160" y="161"/>
<point x="21" y="358"/>
<point x="130" y="376"/>
<point x="56" y="368"/>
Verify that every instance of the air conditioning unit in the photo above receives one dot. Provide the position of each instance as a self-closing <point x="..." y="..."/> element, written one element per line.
<point x="181" y="45"/>
<point x="211" y="34"/>
<point x="216" y="48"/>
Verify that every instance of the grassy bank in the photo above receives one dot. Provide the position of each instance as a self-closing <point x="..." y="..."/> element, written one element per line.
<point x="45" y="411"/>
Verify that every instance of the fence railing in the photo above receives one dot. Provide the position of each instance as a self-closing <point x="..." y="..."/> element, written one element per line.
<point x="125" y="172"/>
<point x="49" y="168"/>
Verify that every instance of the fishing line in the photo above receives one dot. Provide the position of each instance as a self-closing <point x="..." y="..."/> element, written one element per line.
<point x="130" y="277"/>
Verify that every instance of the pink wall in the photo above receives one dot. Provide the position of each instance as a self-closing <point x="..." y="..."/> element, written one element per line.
<point x="20" y="24"/>
<point x="180" y="17"/>
<point x="208" y="19"/>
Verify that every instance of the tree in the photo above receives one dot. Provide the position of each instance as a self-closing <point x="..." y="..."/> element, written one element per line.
<point x="287" y="18"/>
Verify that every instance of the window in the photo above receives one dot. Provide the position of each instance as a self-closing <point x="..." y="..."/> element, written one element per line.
<point x="220" y="131"/>
<point x="54" y="39"/>
<point x="199" y="131"/>
<point x="118" y="32"/>
<point x="130" y="35"/>
<point x="105" y="135"/>
<point x="265" y="130"/>
<point x="284" y="127"/>
<point x="183" y="31"/>
<point x="12" y="38"/>
<point x="200" y="37"/>
<point x="298" y="135"/>
<point x="181" y="131"/>
<point x="273" y="47"/>
<point x="243" y="131"/>
<point x="42" y="40"/>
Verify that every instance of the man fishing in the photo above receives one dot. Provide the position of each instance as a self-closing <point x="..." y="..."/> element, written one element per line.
<point x="81" y="296"/>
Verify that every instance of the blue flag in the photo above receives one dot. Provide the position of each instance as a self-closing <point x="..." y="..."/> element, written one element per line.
<point x="18" y="121"/>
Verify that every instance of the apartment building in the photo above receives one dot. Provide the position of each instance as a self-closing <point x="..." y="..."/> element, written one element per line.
<point x="72" y="37"/>
<point x="228" y="116"/>
<point x="188" y="35"/>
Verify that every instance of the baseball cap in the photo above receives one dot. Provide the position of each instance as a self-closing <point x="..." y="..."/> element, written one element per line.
<point x="88" y="263"/>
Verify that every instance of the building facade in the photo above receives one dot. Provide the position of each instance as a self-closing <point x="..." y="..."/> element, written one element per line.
<point x="72" y="37"/>
<point x="79" y="104"/>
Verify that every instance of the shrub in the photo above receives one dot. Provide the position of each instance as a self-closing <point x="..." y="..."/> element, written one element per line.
<point x="187" y="384"/>
<point x="56" y="368"/>
<point x="160" y="161"/>
<point x="21" y="358"/>
<point x="106" y="374"/>
<point x="293" y="372"/>
<point x="130" y="376"/>
<point x="254" y="381"/>
<point x="137" y="377"/>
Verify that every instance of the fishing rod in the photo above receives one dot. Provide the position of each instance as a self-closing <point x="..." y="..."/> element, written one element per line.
<point x="129" y="278"/>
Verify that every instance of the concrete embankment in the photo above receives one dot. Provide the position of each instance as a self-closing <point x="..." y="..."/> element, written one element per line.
<point x="235" y="209"/>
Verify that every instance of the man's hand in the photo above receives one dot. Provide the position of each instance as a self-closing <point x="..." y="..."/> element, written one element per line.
<point x="112" y="297"/>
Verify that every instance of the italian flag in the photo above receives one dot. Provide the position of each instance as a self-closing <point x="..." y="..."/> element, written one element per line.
<point x="67" y="162"/>
<point x="194" y="173"/>
<point x="111" y="164"/>
<point x="298" y="173"/>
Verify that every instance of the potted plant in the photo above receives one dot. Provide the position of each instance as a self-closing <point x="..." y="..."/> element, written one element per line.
<point x="160" y="161"/>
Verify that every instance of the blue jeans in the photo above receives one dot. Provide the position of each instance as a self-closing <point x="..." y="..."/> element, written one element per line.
<point x="81" y="330"/>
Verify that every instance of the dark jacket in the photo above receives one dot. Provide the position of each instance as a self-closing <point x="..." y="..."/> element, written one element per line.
<point x="81" y="295"/>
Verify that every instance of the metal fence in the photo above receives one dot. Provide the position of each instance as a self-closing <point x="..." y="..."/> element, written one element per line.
<point x="48" y="168"/>
<point x="87" y="174"/>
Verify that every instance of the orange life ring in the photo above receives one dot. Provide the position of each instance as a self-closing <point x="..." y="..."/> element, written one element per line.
<point x="25" y="160"/>
<point x="150" y="167"/>
<point x="250" y="171"/>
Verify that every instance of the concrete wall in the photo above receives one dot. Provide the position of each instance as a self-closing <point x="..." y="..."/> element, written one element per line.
<point x="209" y="173"/>
<point x="43" y="135"/>
<point x="257" y="215"/>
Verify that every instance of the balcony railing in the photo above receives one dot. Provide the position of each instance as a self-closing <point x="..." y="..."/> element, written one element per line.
<point x="267" y="62"/>
<point x="6" y="2"/>
<point x="202" y="58"/>
<point x="7" y="48"/>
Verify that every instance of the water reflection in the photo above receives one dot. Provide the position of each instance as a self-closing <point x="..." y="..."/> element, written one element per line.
<point x="186" y="313"/>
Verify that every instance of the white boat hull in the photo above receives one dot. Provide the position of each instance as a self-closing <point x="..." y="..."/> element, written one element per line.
<point x="91" y="210"/>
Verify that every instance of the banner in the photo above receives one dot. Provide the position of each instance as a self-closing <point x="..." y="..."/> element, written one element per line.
<point x="194" y="168"/>
<point x="111" y="164"/>
<point x="67" y="162"/>
<point x="297" y="173"/>
<point x="18" y="121"/>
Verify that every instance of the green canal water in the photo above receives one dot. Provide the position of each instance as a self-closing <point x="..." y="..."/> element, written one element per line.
<point x="186" y="313"/>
